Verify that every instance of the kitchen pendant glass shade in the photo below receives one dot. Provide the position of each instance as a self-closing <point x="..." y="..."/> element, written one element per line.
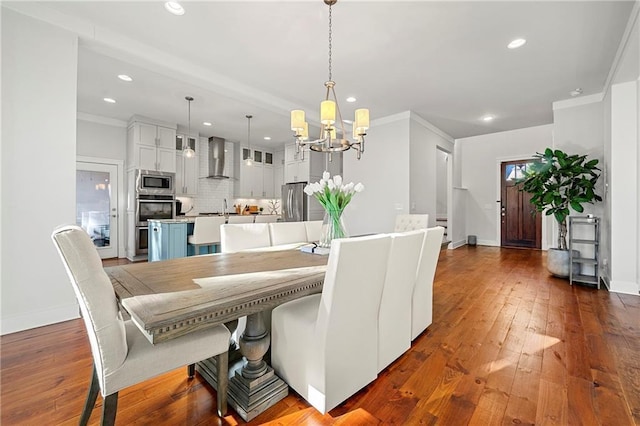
<point x="187" y="151"/>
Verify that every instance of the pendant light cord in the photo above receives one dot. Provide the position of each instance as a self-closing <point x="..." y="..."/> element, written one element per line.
<point x="330" y="44"/>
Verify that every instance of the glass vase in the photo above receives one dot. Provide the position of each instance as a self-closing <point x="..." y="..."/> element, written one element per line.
<point x="332" y="227"/>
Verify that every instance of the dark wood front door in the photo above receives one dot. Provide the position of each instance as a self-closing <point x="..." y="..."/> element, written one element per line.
<point x="520" y="227"/>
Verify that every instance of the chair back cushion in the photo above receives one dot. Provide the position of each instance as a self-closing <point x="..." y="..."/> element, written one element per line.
<point x="96" y="297"/>
<point x="243" y="236"/>
<point x="206" y="230"/>
<point x="411" y="222"/>
<point x="422" y="303"/>
<point x="347" y="322"/>
<point x="394" y="318"/>
<point x="314" y="230"/>
<point x="238" y="218"/>
<point x="287" y="233"/>
<point x="266" y="218"/>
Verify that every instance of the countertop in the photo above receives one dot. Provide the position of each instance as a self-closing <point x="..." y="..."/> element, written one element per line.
<point x="188" y="219"/>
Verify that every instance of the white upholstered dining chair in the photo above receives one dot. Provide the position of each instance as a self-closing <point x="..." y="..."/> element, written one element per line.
<point x="266" y="218"/>
<point x="325" y="345"/>
<point x="122" y="355"/>
<point x="287" y="233"/>
<point x="314" y="230"/>
<point x="394" y="318"/>
<point x="422" y="301"/>
<point x="240" y="218"/>
<point x="206" y="232"/>
<point x="411" y="222"/>
<point x="244" y="236"/>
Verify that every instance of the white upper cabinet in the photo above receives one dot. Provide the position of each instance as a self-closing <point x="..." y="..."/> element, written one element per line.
<point x="151" y="146"/>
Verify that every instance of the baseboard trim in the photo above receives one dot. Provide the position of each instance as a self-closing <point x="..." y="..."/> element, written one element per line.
<point x="624" y="287"/>
<point x="13" y="324"/>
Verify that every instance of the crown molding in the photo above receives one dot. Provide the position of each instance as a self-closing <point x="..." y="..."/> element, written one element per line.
<point x="582" y="100"/>
<point x="100" y="119"/>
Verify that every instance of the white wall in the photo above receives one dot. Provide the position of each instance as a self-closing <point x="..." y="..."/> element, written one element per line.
<point x="106" y="139"/>
<point x="384" y="172"/>
<point x="425" y="140"/>
<point x="479" y="161"/>
<point x="625" y="187"/>
<point x="39" y="65"/>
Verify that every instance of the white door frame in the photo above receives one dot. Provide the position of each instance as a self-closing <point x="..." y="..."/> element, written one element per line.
<point x="121" y="199"/>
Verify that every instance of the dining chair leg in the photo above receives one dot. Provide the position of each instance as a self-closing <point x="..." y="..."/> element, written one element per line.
<point x="92" y="395"/>
<point x="191" y="371"/>
<point x="222" y="363"/>
<point x="109" y="408"/>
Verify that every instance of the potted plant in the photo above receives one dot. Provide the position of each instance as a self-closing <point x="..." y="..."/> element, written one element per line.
<point x="559" y="182"/>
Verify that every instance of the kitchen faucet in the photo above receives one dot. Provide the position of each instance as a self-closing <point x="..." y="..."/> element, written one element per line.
<point x="224" y="207"/>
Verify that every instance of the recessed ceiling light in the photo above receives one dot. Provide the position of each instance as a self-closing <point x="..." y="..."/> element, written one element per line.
<point x="576" y="92"/>
<point x="488" y="118"/>
<point x="174" y="7"/>
<point x="267" y="138"/>
<point x="519" y="42"/>
<point x="206" y="123"/>
<point x="109" y="100"/>
<point x="351" y="99"/>
<point x="125" y="77"/>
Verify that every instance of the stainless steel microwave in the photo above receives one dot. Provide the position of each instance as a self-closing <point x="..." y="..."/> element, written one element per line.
<point x="157" y="183"/>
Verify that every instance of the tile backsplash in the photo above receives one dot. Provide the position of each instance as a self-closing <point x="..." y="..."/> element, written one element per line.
<point x="213" y="192"/>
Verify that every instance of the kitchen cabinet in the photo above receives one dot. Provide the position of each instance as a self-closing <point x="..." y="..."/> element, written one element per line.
<point x="186" y="168"/>
<point x="257" y="179"/>
<point x="186" y="175"/>
<point x="278" y="173"/>
<point x="151" y="146"/>
<point x="311" y="168"/>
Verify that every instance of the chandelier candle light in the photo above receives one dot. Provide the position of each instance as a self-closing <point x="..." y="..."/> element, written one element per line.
<point x="329" y="141"/>
<point x="334" y="196"/>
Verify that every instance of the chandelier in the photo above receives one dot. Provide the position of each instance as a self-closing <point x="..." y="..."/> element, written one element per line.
<point x="329" y="140"/>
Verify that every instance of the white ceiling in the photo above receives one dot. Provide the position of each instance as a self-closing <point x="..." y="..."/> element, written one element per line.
<point x="446" y="61"/>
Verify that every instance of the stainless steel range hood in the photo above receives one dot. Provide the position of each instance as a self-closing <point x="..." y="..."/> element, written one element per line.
<point x="216" y="158"/>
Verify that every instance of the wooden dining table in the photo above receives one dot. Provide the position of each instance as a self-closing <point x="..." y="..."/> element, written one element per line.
<point x="175" y="297"/>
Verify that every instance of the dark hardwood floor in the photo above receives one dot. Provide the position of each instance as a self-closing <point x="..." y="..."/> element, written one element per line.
<point x="508" y="345"/>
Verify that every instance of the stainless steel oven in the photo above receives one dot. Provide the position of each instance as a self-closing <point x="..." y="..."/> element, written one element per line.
<point x="154" y="207"/>
<point x="142" y="240"/>
<point x="150" y="182"/>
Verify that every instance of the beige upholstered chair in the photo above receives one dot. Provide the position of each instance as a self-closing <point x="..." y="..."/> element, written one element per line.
<point x="325" y="345"/>
<point x="314" y="230"/>
<point x="240" y="218"/>
<point x="411" y="222"/>
<point x="266" y="218"/>
<point x="244" y="236"/>
<point x="422" y="302"/>
<point x="206" y="232"/>
<point x="394" y="318"/>
<point x="122" y="356"/>
<point x="287" y="233"/>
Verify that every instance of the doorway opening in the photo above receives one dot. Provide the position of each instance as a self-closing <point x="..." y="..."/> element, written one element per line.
<point x="521" y="225"/>
<point x="443" y="189"/>
<point x="97" y="205"/>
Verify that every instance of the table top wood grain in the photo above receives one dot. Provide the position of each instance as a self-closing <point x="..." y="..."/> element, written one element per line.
<point x="165" y="302"/>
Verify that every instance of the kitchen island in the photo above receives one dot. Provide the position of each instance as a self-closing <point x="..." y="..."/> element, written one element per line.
<point x="168" y="237"/>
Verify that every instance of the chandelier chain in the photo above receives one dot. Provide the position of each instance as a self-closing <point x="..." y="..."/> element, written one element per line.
<point x="330" y="43"/>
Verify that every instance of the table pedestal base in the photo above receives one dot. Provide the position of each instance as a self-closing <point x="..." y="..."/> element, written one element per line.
<point x="248" y="397"/>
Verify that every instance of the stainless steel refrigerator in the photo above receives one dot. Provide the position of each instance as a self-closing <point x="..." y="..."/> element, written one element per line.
<point x="295" y="203"/>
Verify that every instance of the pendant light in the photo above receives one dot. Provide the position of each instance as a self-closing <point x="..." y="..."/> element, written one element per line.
<point x="186" y="148"/>
<point x="249" y="117"/>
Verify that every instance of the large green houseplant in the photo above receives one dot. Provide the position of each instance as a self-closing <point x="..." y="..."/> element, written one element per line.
<point x="559" y="182"/>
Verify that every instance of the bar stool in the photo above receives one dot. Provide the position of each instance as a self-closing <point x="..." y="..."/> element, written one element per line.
<point x="206" y="232"/>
